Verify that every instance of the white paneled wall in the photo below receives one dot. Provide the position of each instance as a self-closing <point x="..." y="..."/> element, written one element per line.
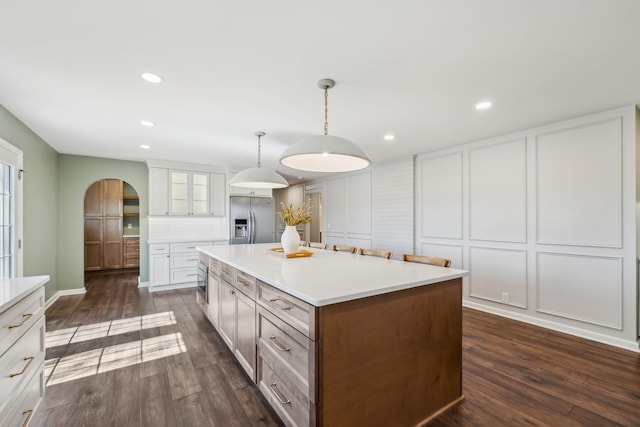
<point x="545" y="222"/>
<point x="392" y="207"/>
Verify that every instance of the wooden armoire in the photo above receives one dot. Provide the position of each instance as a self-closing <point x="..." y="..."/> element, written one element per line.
<point x="103" y="209"/>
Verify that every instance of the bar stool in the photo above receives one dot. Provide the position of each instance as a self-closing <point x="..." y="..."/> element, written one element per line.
<point x="345" y="248"/>
<point x="376" y="252"/>
<point x="441" y="262"/>
<point x="317" y="245"/>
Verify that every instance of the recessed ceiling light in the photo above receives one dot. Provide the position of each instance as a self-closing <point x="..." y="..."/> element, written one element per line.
<point x="145" y="146"/>
<point x="152" y="77"/>
<point x="147" y="123"/>
<point x="483" y="105"/>
<point x="389" y="137"/>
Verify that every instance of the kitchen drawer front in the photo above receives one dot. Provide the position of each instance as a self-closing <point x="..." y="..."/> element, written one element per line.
<point x="183" y="275"/>
<point x="131" y="249"/>
<point x="25" y="406"/>
<point x="184" y="260"/>
<point x="281" y="344"/>
<point x="187" y="247"/>
<point x="214" y="267"/>
<point x="292" y="310"/>
<point x="246" y="284"/>
<point x="21" y="361"/>
<point x="158" y="249"/>
<point x="292" y="406"/>
<point x="17" y="319"/>
<point x="227" y="273"/>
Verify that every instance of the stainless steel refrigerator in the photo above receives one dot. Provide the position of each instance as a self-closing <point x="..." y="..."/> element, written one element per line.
<point x="252" y="220"/>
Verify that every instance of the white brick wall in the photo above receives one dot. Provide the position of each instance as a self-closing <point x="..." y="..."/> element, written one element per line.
<point x="392" y="207"/>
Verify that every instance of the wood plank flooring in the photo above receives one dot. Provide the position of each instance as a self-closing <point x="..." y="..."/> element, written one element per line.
<point x="514" y="374"/>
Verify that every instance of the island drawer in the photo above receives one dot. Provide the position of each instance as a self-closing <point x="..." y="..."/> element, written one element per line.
<point x="20" y="362"/>
<point x="283" y="345"/>
<point x="226" y="273"/>
<point x="157" y="249"/>
<point x="214" y="266"/>
<point x="17" y="319"/>
<point x="26" y="404"/>
<point x="187" y="247"/>
<point x="292" y="406"/>
<point x="246" y="284"/>
<point x="292" y="310"/>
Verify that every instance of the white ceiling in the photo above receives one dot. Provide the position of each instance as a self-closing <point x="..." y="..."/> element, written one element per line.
<point x="70" y="70"/>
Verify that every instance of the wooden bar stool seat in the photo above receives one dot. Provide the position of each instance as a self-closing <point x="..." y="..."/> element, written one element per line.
<point x="317" y="245"/>
<point x="441" y="262"/>
<point x="376" y="252"/>
<point x="345" y="248"/>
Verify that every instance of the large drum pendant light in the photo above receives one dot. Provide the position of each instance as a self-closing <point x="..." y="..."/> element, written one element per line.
<point x="325" y="153"/>
<point x="258" y="177"/>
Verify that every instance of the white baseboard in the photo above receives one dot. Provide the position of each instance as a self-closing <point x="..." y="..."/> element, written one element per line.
<point x="62" y="293"/>
<point x="582" y="333"/>
<point x="159" y="288"/>
<point x="142" y="284"/>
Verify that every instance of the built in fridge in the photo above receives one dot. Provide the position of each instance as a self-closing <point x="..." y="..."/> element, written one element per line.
<point x="252" y="220"/>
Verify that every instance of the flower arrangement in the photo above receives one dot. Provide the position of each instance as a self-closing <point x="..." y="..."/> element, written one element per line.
<point x="291" y="216"/>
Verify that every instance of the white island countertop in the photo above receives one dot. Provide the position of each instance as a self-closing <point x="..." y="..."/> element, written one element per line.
<point x="329" y="277"/>
<point x="12" y="290"/>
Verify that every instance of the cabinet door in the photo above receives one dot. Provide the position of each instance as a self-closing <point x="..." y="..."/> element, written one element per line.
<point x="227" y="313"/>
<point x="112" y="240"/>
<point x="93" y="200"/>
<point x="213" y="291"/>
<point x="159" y="270"/>
<point x="245" y="349"/>
<point x="179" y="198"/>
<point x="112" y="195"/>
<point x="158" y="191"/>
<point x="218" y="194"/>
<point x="199" y="192"/>
<point x="92" y="243"/>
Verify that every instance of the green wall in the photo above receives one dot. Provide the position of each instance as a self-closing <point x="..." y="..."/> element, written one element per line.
<point x="40" y="200"/>
<point x="75" y="175"/>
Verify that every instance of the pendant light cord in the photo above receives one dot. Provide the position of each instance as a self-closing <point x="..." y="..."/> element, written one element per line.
<point x="326" y="110"/>
<point x="259" y="143"/>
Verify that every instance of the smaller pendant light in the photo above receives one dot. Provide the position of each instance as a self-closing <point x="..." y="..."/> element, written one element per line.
<point x="258" y="177"/>
<point x="325" y="153"/>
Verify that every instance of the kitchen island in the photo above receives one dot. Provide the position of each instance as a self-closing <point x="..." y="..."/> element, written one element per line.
<point x="338" y="339"/>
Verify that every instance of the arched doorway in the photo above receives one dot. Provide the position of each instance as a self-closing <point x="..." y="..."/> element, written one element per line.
<point x="111" y="226"/>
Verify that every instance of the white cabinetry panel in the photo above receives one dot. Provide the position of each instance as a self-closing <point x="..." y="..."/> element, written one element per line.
<point x="359" y="203"/>
<point x="580" y="287"/>
<point x="497" y="192"/>
<point x="441" y="196"/>
<point x="579" y="180"/>
<point x="158" y="191"/>
<point x="334" y="206"/>
<point x="498" y="275"/>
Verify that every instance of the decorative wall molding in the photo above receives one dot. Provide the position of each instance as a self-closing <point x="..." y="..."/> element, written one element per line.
<point x="498" y="275"/>
<point x="579" y="185"/>
<point x="586" y="288"/>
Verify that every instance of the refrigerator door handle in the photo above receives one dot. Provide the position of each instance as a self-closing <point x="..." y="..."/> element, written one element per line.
<point x="250" y="226"/>
<point x="253" y="227"/>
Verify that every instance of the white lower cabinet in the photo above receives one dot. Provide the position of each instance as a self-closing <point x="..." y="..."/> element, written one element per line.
<point x="173" y="265"/>
<point x="237" y="316"/>
<point x="22" y="352"/>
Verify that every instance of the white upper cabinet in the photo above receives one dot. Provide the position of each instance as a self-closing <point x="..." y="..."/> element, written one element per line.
<point x="189" y="193"/>
<point x="158" y="191"/>
<point x="184" y="192"/>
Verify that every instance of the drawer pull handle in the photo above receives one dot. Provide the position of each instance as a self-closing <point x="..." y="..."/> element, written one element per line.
<point x="26" y="359"/>
<point x="281" y="307"/>
<point x="192" y="259"/>
<point x="277" y="344"/>
<point x="193" y="274"/>
<point x="243" y="281"/>
<point x="25" y="317"/>
<point x="274" y="388"/>
<point x="226" y="271"/>
<point x="30" y="413"/>
<point x="191" y="247"/>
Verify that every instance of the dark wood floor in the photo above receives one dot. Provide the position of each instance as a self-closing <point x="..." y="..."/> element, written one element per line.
<point x="514" y="374"/>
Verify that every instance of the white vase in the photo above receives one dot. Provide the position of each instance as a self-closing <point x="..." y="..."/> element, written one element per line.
<point x="290" y="239"/>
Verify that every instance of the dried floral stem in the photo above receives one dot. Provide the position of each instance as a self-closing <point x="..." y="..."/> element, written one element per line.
<point x="291" y="216"/>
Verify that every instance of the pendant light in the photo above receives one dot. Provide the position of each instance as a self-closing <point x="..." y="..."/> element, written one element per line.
<point x="258" y="177"/>
<point x="325" y="153"/>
